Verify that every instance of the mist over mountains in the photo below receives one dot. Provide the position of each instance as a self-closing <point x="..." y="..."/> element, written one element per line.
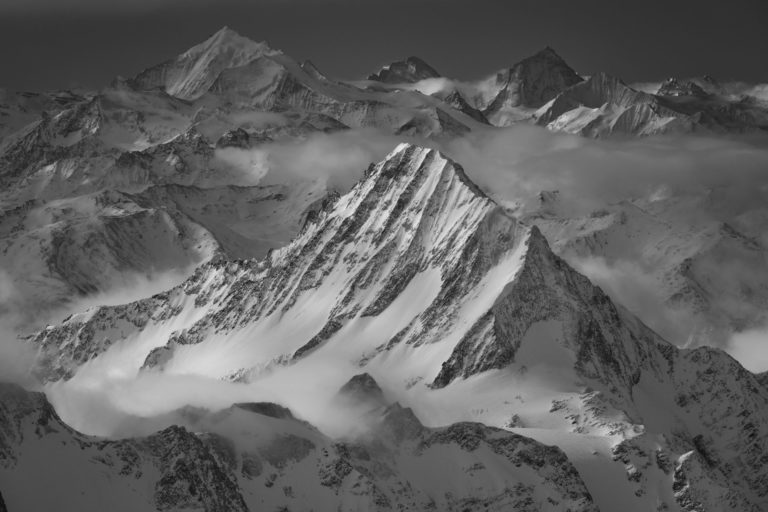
<point x="232" y="282"/>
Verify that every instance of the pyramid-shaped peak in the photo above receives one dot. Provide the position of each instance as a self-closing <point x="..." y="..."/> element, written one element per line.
<point x="409" y="158"/>
<point x="362" y="388"/>
<point x="226" y="37"/>
<point x="535" y="80"/>
<point x="548" y="53"/>
<point x="192" y="73"/>
<point x="550" y="59"/>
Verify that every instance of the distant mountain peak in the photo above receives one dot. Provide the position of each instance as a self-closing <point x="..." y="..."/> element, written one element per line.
<point x="532" y="82"/>
<point x="225" y="32"/>
<point x="410" y="70"/>
<point x="192" y="73"/>
<point x="675" y="87"/>
<point x="362" y="388"/>
<point x="546" y="53"/>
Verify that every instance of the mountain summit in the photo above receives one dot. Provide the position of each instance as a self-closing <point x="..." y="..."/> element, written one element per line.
<point x="528" y="84"/>
<point x="191" y="74"/>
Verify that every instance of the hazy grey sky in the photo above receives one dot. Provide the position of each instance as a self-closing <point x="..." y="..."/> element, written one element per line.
<point x="60" y="43"/>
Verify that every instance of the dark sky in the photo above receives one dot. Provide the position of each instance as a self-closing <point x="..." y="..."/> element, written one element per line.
<point x="47" y="44"/>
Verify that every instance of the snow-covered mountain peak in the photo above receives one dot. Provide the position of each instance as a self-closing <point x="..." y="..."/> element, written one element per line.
<point x="227" y="42"/>
<point x="191" y="74"/>
<point x="402" y="162"/>
<point x="541" y="76"/>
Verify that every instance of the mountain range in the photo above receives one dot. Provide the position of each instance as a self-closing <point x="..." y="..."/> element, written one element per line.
<point x="432" y="345"/>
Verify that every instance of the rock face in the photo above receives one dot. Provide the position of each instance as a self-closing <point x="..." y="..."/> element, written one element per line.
<point x="410" y="70"/>
<point x="277" y="461"/>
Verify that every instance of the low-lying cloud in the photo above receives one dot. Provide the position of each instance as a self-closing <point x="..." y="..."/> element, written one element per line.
<point x="750" y="348"/>
<point x="515" y="164"/>
<point x="339" y="158"/>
